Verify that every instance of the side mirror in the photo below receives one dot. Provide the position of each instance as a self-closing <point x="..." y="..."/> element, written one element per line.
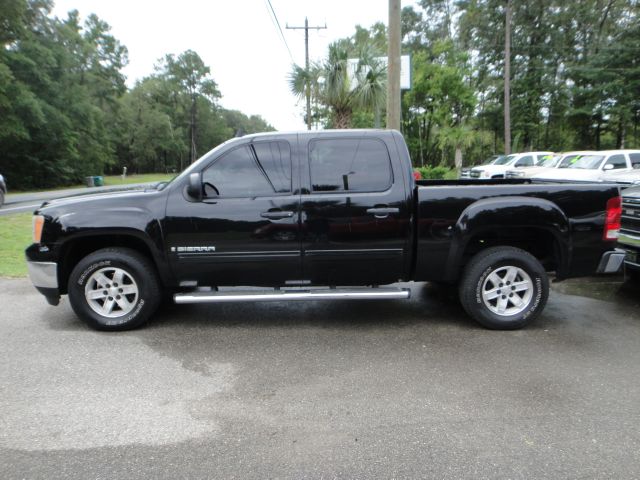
<point x="608" y="167"/>
<point x="194" y="187"/>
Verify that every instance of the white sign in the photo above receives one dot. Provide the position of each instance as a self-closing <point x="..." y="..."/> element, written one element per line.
<point x="405" y="69"/>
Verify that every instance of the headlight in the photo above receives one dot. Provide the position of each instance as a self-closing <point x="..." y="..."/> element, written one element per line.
<point x="38" y="223"/>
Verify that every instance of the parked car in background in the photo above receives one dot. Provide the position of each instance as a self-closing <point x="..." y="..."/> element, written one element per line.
<point x="627" y="177"/>
<point x="499" y="168"/>
<point x="629" y="235"/>
<point x="3" y="190"/>
<point x="597" y="166"/>
<point x="559" y="160"/>
<point x="465" y="172"/>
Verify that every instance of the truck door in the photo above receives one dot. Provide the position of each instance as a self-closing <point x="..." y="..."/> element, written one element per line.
<point x="355" y="211"/>
<point x="246" y="229"/>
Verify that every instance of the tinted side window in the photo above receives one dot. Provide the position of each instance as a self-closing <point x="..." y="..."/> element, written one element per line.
<point x="618" y="161"/>
<point x="275" y="160"/>
<point x="525" y="162"/>
<point x="635" y="160"/>
<point x="349" y="165"/>
<point x="236" y="174"/>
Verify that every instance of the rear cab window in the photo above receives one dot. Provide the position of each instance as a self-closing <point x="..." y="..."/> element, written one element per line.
<point x="349" y="165"/>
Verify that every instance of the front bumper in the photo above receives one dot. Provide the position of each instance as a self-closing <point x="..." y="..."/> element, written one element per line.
<point x="631" y="243"/>
<point x="44" y="276"/>
<point x="611" y="261"/>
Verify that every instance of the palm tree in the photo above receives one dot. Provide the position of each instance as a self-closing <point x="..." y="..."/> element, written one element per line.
<point x="343" y="85"/>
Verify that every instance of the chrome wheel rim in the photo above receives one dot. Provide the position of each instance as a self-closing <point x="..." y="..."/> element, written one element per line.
<point x="111" y="292"/>
<point x="507" y="291"/>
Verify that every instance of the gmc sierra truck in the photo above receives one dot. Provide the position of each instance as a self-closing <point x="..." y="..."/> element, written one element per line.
<point x="317" y="216"/>
<point x="630" y="231"/>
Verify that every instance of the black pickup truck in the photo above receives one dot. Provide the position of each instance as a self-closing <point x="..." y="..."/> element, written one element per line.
<point x="319" y="215"/>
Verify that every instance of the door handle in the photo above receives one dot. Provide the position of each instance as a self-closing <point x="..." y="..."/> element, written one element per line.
<point x="382" y="212"/>
<point x="277" y="214"/>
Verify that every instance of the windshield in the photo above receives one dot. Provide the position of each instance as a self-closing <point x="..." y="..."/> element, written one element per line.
<point x="587" y="162"/>
<point x="504" y="160"/>
<point x="195" y="164"/>
<point x="493" y="160"/>
<point x="549" y="162"/>
<point x="567" y="160"/>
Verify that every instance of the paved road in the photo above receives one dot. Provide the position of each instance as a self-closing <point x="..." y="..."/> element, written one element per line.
<point x="396" y="389"/>
<point x="25" y="202"/>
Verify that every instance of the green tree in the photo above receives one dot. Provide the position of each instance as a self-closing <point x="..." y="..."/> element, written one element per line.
<point x="189" y="76"/>
<point x="342" y="88"/>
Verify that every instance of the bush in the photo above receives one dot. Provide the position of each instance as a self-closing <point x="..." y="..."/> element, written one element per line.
<point x="433" y="173"/>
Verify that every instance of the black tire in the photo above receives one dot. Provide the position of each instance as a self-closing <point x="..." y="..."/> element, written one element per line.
<point x="140" y="272"/>
<point x="494" y="261"/>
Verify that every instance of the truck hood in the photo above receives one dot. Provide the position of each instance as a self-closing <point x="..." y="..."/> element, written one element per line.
<point x="493" y="168"/>
<point x="98" y="200"/>
<point x="570" y="174"/>
<point x="633" y="192"/>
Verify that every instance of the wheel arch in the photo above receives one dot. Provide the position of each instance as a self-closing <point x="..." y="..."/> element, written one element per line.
<point x="535" y="225"/>
<point x="76" y="248"/>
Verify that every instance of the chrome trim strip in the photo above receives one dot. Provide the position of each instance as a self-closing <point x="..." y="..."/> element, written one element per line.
<point x="354" y="251"/>
<point x="627" y="239"/>
<point x="43" y="274"/>
<point x="271" y="296"/>
<point x="252" y="255"/>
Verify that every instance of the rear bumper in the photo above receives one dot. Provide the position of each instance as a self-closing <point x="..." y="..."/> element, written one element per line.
<point x="611" y="261"/>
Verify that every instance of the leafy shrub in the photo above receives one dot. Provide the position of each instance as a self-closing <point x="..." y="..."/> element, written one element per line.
<point x="433" y="173"/>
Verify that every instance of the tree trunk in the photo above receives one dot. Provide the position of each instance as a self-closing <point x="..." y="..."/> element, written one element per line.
<point x="457" y="158"/>
<point x="343" y="118"/>
<point x="507" y="79"/>
<point x="192" y="149"/>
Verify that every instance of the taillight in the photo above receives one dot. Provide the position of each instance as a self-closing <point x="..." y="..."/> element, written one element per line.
<point x="612" y="219"/>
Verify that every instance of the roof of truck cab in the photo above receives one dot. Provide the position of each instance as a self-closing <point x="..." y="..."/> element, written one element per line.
<point x="348" y="131"/>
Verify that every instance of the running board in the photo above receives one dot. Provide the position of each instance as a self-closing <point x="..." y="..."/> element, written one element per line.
<point x="288" y="295"/>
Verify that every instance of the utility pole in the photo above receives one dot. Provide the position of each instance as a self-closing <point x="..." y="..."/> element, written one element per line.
<point x="393" y="66"/>
<point x="306" y="63"/>
<point x="507" y="79"/>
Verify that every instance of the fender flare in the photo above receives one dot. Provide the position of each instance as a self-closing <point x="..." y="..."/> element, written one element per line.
<point x="509" y="212"/>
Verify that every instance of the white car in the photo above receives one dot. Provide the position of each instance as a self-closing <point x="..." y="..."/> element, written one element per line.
<point x="595" y="167"/>
<point x="631" y="177"/>
<point x="499" y="168"/>
<point x="559" y="160"/>
<point x="465" y="172"/>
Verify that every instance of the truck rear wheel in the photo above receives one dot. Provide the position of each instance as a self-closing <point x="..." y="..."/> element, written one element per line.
<point x="504" y="288"/>
<point x="114" y="289"/>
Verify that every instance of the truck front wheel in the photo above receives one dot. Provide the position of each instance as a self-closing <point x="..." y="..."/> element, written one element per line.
<point x="114" y="289"/>
<point x="504" y="288"/>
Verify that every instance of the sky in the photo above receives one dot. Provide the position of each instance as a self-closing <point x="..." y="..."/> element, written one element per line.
<point x="237" y="39"/>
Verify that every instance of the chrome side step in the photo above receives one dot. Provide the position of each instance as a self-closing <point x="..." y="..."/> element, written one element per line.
<point x="288" y="295"/>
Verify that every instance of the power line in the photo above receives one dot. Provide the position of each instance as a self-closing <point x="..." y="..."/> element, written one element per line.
<point x="275" y="17"/>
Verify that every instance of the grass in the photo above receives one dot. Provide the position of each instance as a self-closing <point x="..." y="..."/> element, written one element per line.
<point x="111" y="181"/>
<point x="15" y="236"/>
